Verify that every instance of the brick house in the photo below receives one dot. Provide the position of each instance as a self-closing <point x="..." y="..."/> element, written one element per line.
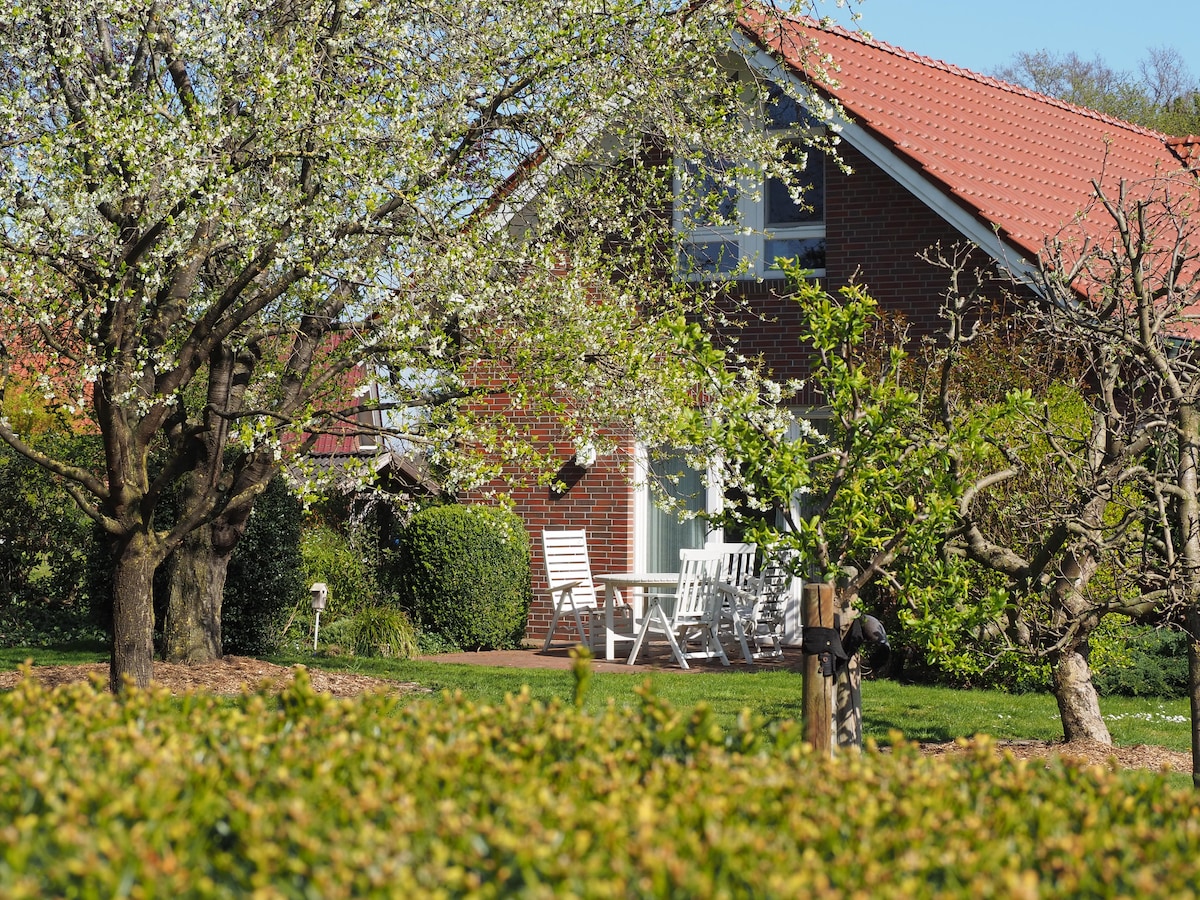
<point x="937" y="154"/>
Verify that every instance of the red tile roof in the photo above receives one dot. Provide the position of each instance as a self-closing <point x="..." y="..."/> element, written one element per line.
<point x="1187" y="149"/>
<point x="1019" y="161"/>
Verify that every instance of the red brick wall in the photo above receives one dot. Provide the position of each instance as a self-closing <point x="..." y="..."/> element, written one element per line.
<point x="598" y="499"/>
<point x="875" y="231"/>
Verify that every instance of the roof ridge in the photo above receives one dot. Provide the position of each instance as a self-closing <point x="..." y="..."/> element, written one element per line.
<point x="827" y="25"/>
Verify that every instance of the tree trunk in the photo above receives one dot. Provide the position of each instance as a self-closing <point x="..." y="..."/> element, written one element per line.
<point x="192" y="628"/>
<point x="1193" y="632"/>
<point x="133" y="612"/>
<point x="199" y="568"/>
<point x="1188" y="524"/>
<point x="1078" y="702"/>
<point x="848" y="708"/>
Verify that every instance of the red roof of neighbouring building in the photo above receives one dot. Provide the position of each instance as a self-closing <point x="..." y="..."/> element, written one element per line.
<point x="1019" y="161"/>
<point x="1187" y="149"/>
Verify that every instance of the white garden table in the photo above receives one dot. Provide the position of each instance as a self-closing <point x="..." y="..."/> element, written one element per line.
<point x="635" y="583"/>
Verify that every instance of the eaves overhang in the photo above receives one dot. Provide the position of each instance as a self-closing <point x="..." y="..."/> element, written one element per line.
<point x="968" y="222"/>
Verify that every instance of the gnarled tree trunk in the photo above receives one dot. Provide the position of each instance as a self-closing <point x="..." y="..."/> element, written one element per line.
<point x="1078" y="701"/>
<point x="1188" y="529"/>
<point x="192" y="628"/>
<point x="199" y="567"/>
<point x="1193" y="622"/>
<point x="1074" y="689"/>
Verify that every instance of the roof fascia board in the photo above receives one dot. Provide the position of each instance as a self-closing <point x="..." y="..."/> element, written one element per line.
<point x="906" y="175"/>
<point x="528" y="183"/>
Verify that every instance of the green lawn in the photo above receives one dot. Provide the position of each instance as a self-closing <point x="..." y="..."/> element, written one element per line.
<point x="920" y="713"/>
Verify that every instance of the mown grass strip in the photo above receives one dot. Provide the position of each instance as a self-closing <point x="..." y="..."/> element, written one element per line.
<point x="921" y="713"/>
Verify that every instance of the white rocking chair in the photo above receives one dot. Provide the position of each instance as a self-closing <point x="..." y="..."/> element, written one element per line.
<point x="693" y="610"/>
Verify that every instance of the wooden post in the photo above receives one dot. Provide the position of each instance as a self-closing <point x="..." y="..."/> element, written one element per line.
<point x="816" y="611"/>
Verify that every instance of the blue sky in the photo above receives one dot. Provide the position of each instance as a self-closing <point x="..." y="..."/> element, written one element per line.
<point x="985" y="36"/>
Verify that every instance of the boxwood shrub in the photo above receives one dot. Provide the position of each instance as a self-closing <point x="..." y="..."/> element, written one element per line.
<point x="463" y="571"/>
<point x="303" y="795"/>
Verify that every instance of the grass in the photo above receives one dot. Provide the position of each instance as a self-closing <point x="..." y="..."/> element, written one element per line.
<point x="920" y="713"/>
<point x="75" y="655"/>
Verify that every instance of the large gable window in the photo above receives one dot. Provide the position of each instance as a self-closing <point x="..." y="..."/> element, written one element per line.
<point x="740" y="225"/>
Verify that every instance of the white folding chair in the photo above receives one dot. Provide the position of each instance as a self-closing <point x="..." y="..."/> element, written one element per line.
<point x="693" y="610"/>
<point x="737" y="588"/>
<point x="760" y="613"/>
<point x="569" y="572"/>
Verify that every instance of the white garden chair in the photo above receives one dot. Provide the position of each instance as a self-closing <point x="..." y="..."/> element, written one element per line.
<point x="693" y="611"/>
<point x="569" y="572"/>
<point x="738" y="588"/>
<point x="758" y="611"/>
<point x="737" y="563"/>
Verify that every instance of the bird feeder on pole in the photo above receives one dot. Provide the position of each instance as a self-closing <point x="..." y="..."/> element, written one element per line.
<point x="320" y="595"/>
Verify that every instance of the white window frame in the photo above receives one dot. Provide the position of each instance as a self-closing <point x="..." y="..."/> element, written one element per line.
<point x="643" y="499"/>
<point x="749" y="232"/>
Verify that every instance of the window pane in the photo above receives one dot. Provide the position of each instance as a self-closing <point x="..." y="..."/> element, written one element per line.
<point x="810" y="252"/>
<point x="784" y="112"/>
<point x="783" y="210"/>
<point x="666" y="535"/>
<point x="710" y="257"/>
<point x="709" y="200"/>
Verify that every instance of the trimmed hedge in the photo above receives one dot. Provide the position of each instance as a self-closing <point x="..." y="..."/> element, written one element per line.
<point x="464" y="573"/>
<point x="302" y="795"/>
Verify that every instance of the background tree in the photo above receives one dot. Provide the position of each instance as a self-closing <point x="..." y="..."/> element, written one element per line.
<point x="214" y="214"/>
<point x="1129" y="299"/>
<point x="1047" y="519"/>
<point x="1162" y="94"/>
<point x="984" y="509"/>
<point x="858" y="492"/>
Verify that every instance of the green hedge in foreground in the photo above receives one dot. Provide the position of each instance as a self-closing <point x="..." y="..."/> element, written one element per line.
<point x="303" y="795"/>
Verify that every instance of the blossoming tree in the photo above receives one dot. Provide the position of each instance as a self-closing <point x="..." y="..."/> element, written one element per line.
<point x="214" y="212"/>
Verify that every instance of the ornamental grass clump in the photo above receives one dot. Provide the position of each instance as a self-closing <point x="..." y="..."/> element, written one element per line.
<point x="382" y="631"/>
<point x="303" y="795"/>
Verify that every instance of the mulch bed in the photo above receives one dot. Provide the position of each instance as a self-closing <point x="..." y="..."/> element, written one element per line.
<point x="234" y="674"/>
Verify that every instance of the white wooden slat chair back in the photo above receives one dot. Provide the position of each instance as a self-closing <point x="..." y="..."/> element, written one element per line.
<point x="737" y="562"/>
<point x="569" y="572"/>
<point x="695" y="593"/>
